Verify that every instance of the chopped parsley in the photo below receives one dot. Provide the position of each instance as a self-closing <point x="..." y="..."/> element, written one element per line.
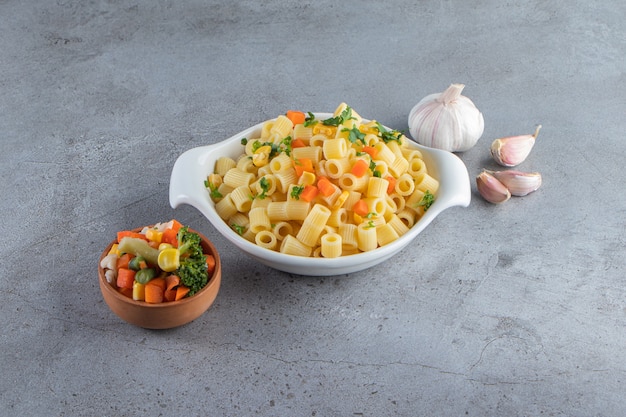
<point x="388" y="135"/>
<point x="265" y="186"/>
<point x="213" y="190"/>
<point x="345" y="115"/>
<point x="296" y="191"/>
<point x="427" y="200"/>
<point x="239" y="229"/>
<point x="309" y="120"/>
<point x="372" y="167"/>
<point x="355" y="135"/>
<point x="244" y="141"/>
<point x="286" y="143"/>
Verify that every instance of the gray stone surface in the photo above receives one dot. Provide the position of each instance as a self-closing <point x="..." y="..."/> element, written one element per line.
<point x="508" y="310"/>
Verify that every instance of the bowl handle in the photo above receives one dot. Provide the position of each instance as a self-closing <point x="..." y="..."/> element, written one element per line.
<point x="457" y="183"/>
<point x="186" y="184"/>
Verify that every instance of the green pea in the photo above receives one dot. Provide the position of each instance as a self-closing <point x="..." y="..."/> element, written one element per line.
<point x="143" y="276"/>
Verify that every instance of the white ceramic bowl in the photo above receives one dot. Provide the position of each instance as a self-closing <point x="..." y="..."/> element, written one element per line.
<point x="192" y="167"/>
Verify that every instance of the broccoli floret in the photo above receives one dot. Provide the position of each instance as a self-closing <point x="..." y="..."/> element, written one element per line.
<point x="193" y="269"/>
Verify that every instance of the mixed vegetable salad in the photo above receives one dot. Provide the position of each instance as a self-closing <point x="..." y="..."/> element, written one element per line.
<point x="161" y="263"/>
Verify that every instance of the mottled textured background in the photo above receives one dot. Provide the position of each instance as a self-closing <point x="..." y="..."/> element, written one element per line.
<point x="518" y="309"/>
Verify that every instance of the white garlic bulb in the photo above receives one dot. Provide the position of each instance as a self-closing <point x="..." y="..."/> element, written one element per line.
<point x="447" y="121"/>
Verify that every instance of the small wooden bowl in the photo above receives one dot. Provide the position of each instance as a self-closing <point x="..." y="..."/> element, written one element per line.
<point x="168" y="314"/>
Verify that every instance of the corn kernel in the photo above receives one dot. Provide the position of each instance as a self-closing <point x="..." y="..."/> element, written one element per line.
<point x="139" y="291"/>
<point x="154" y="235"/>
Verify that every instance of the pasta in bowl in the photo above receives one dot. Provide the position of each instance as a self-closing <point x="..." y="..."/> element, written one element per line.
<point x="319" y="193"/>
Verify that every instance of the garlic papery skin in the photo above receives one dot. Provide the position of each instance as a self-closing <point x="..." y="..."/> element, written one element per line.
<point x="447" y="121"/>
<point x="513" y="150"/>
<point x="519" y="183"/>
<point x="491" y="188"/>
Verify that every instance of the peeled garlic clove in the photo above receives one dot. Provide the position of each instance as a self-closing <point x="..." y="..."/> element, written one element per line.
<point x="447" y="121"/>
<point x="491" y="188"/>
<point x="519" y="183"/>
<point x="513" y="150"/>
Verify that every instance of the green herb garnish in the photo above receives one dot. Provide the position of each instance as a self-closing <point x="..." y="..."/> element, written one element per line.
<point x="388" y="135"/>
<point x="265" y="186"/>
<point x="427" y="200"/>
<point x="355" y="135"/>
<point x="345" y="115"/>
<point x="309" y="120"/>
<point x="212" y="190"/>
<point x="296" y="191"/>
<point x="239" y="229"/>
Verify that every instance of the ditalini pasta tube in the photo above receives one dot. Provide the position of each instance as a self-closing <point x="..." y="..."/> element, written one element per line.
<point x="366" y="237"/>
<point x="313" y="225"/>
<point x="292" y="246"/>
<point x="331" y="245"/>
<point x="266" y="239"/>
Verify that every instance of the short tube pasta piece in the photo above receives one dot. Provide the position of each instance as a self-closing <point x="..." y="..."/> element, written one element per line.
<point x="223" y="164"/>
<point x="259" y="220"/>
<point x="242" y="198"/>
<point x="285" y="178"/>
<point x="396" y="148"/>
<point x="398" y="166"/>
<point x="224" y="189"/>
<point x="280" y="163"/>
<point x="376" y="205"/>
<point x="317" y="140"/>
<point x="405" y="185"/>
<point x="384" y="153"/>
<point x="408" y="217"/>
<point x="236" y="177"/>
<point x="351" y="182"/>
<point x="338" y="217"/>
<point x="314" y="153"/>
<point x="335" y="168"/>
<point x="266" y="129"/>
<point x="266" y="239"/>
<point x="301" y="132"/>
<point x="260" y="202"/>
<point x="331" y="245"/>
<point x="239" y="222"/>
<point x="416" y="167"/>
<point x="377" y="187"/>
<point x="399" y="201"/>
<point x="282" y="229"/>
<point x="245" y="164"/>
<point x="366" y="237"/>
<point x="335" y="148"/>
<point x="425" y="183"/>
<point x="225" y="208"/>
<point x="348" y="233"/>
<point x="313" y="225"/>
<point x="292" y="246"/>
<point x="386" y="234"/>
<point x="414" y="201"/>
<point x="282" y="127"/>
<point x="398" y="225"/>
<point x="288" y="210"/>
